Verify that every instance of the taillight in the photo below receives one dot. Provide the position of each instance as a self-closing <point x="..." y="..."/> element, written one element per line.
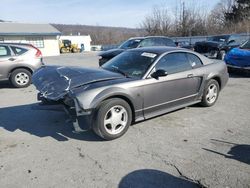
<point x="38" y="53"/>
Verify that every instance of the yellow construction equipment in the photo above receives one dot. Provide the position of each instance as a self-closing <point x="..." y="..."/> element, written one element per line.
<point x="67" y="47"/>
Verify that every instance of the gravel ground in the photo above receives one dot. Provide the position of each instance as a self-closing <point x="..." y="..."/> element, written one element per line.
<point x="191" y="147"/>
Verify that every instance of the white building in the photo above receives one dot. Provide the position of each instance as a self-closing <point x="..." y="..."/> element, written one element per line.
<point x="82" y="41"/>
<point x="43" y="36"/>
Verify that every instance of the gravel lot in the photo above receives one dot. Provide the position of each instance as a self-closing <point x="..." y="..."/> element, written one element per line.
<point x="191" y="147"/>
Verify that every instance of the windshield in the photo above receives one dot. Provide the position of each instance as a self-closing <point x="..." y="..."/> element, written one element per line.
<point x="222" y="38"/>
<point x="246" y="45"/>
<point x="129" y="44"/>
<point x="132" y="64"/>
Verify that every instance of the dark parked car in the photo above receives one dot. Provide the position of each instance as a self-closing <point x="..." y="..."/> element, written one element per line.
<point x="239" y="58"/>
<point x="184" y="44"/>
<point x="218" y="46"/>
<point x="136" y="85"/>
<point x="18" y="62"/>
<point x="135" y="43"/>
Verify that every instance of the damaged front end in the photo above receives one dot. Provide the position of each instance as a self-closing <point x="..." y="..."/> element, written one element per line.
<point x="80" y="117"/>
<point x="56" y="84"/>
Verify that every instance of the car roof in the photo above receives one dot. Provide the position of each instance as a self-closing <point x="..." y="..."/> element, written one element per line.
<point x="14" y="43"/>
<point x="23" y="45"/>
<point x="157" y="37"/>
<point x="146" y="37"/>
<point x="220" y="35"/>
<point x="136" y="38"/>
<point x="17" y="44"/>
<point x="158" y="50"/>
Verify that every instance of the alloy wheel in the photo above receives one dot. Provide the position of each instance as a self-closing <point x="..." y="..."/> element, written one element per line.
<point x="212" y="93"/>
<point x="115" y="120"/>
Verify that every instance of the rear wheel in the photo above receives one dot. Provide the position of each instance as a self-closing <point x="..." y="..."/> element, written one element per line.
<point x="20" y="78"/>
<point x="75" y="50"/>
<point x="112" y="119"/>
<point x="211" y="93"/>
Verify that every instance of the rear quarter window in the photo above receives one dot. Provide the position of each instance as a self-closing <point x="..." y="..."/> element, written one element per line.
<point x="18" y="50"/>
<point x="195" y="61"/>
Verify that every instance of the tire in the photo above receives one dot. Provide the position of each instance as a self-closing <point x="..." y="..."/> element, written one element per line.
<point x="210" y="99"/>
<point x="20" y="78"/>
<point x="221" y="54"/>
<point x="74" y="50"/>
<point x="109" y="122"/>
<point x="63" y="50"/>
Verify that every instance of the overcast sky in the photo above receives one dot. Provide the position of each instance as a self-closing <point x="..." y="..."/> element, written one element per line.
<point x="125" y="13"/>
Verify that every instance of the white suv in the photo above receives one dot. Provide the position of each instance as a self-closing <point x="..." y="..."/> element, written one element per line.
<point x="18" y="62"/>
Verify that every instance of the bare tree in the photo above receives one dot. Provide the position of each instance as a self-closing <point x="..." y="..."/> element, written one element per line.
<point x="158" y="22"/>
<point x="187" y="22"/>
<point x="190" y="20"/>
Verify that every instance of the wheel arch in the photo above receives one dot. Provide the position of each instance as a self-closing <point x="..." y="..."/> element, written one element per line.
<point x="125" y="98"/>
<point x="218" y="79"/>
<point x="109" y="94"/>
<point x="15" y="68"/>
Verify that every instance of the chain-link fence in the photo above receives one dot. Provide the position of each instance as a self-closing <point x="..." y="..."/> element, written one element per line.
<point x="194" y="39"/>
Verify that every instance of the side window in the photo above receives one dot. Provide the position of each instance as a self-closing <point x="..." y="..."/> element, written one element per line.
<point x="156" y="41"/>
<point x="237" y="40"/>
<point x="18" y="50"/>
<point x="165" y="42"/>
<point x="4" y="51"/>
<point x="195" y="62"/>
<point x="174" y="62"/>
<point x="147" y="42"/>
<point x="246" y="45"/>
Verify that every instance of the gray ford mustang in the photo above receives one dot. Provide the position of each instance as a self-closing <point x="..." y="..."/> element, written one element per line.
<point x="135" y="85"/>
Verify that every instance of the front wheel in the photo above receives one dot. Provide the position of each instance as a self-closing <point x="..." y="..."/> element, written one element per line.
<point x="211" y="93"/>
<point x="112" y="119"/>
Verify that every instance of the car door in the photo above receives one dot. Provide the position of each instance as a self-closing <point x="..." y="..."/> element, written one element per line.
<point x="5" y="61"/>
<point x="179" y="87"/>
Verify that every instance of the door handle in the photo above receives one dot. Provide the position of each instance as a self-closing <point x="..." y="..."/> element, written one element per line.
<point x="190" y="75"/>
<point x="11" y="59"/>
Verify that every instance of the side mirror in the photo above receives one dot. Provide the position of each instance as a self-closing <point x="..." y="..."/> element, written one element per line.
<point x="159" y="73"/>
<point x="231" y="41"/>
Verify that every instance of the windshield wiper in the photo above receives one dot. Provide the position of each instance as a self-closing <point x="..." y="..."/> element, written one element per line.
<point x="119" y="71"/>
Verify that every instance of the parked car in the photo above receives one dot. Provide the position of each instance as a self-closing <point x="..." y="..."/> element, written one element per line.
<point x="184" y="44"/>
<point x="18" y="62"/>
<point x="136" y="85"/>
<point x="239" y="58"/>
<point x="135" y="43"/>
<point x="218" y="46"/>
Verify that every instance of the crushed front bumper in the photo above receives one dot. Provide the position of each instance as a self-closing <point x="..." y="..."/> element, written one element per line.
<point x="80" y="118"/>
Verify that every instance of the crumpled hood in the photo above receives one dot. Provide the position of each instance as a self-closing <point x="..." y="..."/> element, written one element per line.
<point x="53" y="82"/>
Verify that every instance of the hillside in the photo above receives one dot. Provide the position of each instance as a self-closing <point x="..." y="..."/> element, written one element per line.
<point x="100" y="34"/>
